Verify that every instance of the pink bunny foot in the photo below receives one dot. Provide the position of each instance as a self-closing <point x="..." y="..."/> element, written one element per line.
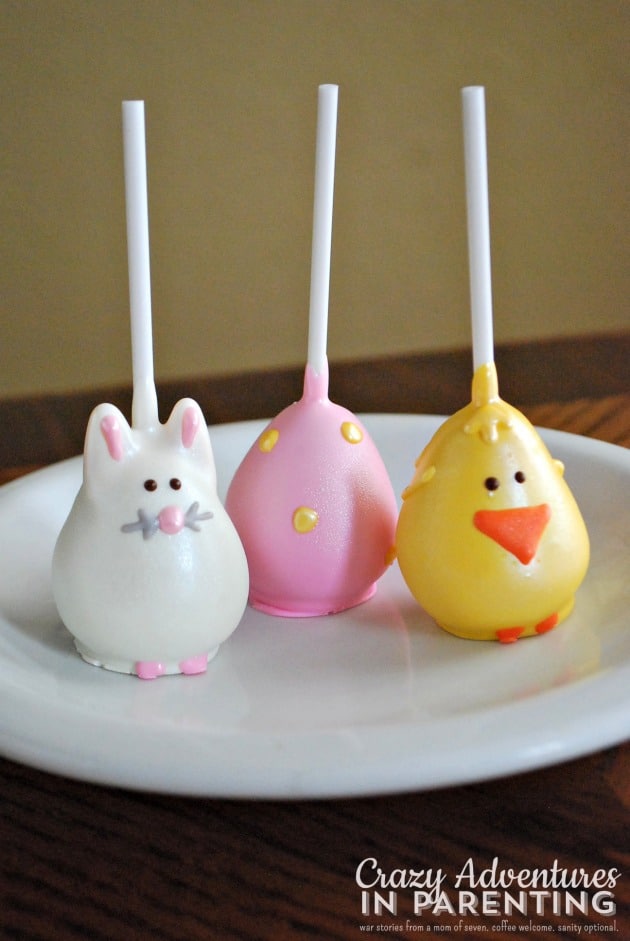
<point x="194" y="665"/>
<point x="149" y="669"/>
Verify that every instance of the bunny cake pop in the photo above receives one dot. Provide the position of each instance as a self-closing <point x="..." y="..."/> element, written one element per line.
<point x="311" y="500"/>
<point x="149" y="574"/>
<point x="489" y="539"/>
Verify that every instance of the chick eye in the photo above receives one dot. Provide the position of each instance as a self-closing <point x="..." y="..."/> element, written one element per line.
<point x="175" y="483"/>
<point x="150" y="484"/>
<point x="491" y="483"/>
<point x="519" y="477"/>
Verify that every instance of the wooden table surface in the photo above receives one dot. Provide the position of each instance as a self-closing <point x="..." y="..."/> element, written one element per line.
<point x="82" y="861"/>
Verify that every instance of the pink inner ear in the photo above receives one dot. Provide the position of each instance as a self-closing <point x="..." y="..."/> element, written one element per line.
<point x="190" y="426"/>
<point x="110" y="428"/>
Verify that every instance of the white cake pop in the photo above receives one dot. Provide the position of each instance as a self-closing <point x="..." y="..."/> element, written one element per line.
<point x="149" y="574"/>
<point x="312" y="500"/>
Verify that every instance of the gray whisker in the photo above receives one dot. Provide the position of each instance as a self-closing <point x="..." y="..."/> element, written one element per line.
<point x="147" y="525"/>
<point x="193" y="516"/>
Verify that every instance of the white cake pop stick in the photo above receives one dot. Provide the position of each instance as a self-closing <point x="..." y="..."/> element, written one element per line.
<point x="322" y="225"/>
<point x="473" y="102"/>
<point x="144" y="409"/>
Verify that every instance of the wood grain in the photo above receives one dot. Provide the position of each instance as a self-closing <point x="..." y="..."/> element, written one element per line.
<point x="43" y="429"/>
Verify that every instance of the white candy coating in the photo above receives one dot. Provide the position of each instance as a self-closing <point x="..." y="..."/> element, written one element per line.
<point x="149" y="579"/>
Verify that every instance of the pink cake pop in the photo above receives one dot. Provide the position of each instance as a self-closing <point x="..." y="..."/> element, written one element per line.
<point x="149" y="574"/>
<point x="311" y="500"/>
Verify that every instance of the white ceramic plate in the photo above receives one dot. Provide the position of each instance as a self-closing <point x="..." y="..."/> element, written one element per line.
<point x="374" y="700"/>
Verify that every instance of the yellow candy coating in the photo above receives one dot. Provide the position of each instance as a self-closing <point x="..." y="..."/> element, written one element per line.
<point x="490" y="539"/>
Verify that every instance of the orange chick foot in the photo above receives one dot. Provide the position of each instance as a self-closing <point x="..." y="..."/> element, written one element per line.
<point x="509" y="635"/>
<point x="548" y="624"/>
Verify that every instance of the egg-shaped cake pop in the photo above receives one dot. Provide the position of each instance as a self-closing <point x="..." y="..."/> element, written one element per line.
<point x="149" y="574"/>
<point x="314" y="507"/>
<point x="312" y="501"/>
<point x="490" y="539"/>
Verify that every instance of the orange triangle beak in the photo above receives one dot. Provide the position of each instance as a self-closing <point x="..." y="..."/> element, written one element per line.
<point x="517" y="530"/>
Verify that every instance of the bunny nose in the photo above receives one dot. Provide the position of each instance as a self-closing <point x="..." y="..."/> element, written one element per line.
<point x="518" y="530"/>
<point x="171" y="520"/>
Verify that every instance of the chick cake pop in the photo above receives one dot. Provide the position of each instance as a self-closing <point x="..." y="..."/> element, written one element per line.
<point x="489" y="539"/>
<point x="149" y="574"/>
<point x="311" y="500"/>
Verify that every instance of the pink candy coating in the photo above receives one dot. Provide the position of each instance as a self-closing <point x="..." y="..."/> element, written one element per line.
<point x="314" y="507"/>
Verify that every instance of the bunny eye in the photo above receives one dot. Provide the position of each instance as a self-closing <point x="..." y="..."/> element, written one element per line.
<point x="519" y="477"/>
<point x="491" y="483"/>
<point x="175" y="483"/>
<point x="150" y="484"/>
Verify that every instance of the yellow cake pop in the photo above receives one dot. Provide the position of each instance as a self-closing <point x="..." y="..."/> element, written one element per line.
<point x="489" y="539"/>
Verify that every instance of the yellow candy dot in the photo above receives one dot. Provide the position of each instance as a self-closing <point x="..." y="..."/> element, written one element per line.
<point x="351" y="432"/>
<point x="305" y="519"/>
<point x="268" y="439"/>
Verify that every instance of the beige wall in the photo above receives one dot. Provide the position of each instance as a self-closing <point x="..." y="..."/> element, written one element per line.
<point x="230" y="89"/>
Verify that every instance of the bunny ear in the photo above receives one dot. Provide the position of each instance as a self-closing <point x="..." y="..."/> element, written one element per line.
<point x="108" y="443"/>
<point x="188" y="431"/>
<point x="112" y="432"/>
